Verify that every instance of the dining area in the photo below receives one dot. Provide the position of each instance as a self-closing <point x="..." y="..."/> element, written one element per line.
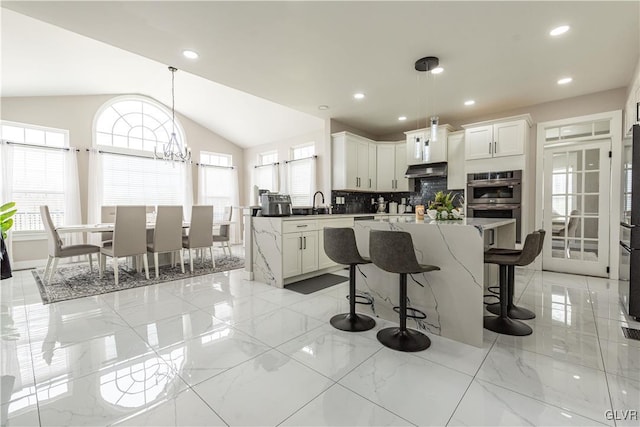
<point x="147" y="237"/>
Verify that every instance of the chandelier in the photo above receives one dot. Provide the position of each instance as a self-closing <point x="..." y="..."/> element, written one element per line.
<point x="173" y="149"/>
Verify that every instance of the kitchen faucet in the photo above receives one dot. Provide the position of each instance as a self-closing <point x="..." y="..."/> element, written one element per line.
<point x="314" y="198"/>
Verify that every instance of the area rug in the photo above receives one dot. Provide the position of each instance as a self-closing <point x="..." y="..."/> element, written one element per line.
<point x="77" y="281"/>
<point x="314" y="284"/>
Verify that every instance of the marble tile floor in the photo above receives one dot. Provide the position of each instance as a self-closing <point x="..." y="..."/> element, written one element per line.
<point x="220" y="350"/>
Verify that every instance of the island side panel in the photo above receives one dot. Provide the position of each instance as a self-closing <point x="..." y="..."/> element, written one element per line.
<point x="451" y="297"/>
<point x="267" y="250"/>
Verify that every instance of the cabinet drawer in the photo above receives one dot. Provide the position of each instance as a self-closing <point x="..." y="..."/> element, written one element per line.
<point x="338" y="222"/>
<point x="298" y="226"/>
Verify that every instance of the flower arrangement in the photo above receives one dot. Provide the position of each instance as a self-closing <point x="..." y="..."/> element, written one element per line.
<point x="442" y="207"/>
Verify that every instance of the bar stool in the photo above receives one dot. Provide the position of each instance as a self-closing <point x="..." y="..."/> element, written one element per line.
<point x="340" y="246"/>
<point x="502" y="324"/>
<point x="513" y="311"/>
<point x="393" y="251"/>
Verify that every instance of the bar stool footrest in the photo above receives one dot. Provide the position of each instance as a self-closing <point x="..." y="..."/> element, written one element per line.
<point x="408" y="340"/>
<point x="415" y="313"/>
<point x="352" y="323"/>
<point x="364" y="300"/>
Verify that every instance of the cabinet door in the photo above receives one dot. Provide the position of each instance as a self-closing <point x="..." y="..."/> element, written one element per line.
<point x="414" y="145"/>
<point x="362" y="164"/>
<point x="402" y="183"/>
<point x="291" y="254"/>
<point x="351" y="164"/>
<point x="456" y="178"/>
<point x="438" y="148"/>
<point x="372" y="183"/>
<point x="385" y="168"/>
<point x="509" y="138"/>
<point x="478" y="142"/>
<point x="309" y="251"/>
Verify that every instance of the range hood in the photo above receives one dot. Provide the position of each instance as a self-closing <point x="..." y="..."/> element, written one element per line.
<point x="427" y="170"/>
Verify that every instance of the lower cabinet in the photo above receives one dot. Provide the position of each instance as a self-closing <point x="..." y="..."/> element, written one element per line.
<point x="299" y="253"/>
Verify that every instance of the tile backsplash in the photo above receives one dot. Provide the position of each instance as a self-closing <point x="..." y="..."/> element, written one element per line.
<point x="423" y="191"/>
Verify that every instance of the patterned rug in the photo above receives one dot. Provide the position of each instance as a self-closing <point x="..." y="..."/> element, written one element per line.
<point x="77" y="281"/>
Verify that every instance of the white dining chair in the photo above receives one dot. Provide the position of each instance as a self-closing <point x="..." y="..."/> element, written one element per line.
<point x="167" y="234"/>
<point x="57" y="248"/>
<point x="223" y="236"/>
<point x="129" y="238"/>
<point x="200" y="236"/>
<point x="107" y="216"/>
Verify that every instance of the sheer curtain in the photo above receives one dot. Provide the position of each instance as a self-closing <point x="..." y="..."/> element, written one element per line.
<point x="95" y="190"/>
<point x="301" y="181"/>
<point x="72" y="213"/>
<point x="187" y="199"/>
<point x="6" y="173"/>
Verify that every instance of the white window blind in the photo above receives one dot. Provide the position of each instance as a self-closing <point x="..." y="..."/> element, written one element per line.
<point x="217" y="183"/>
<point x="129" y="180"/>
<point x="266" y="173"/>
<point x="301" y="173"/>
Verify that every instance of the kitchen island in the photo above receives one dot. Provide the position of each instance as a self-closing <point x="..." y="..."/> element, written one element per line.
<point x="451" y="298"/>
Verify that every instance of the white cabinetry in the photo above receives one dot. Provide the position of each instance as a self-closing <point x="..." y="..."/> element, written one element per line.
<point x="421" y="150"/>
<point x="632" y="108"/>
<point x="391" y="167"/>
<point x="498" y="139"/>
<point x="354" y="162"/>
<point x="456" y="177"/>
<point x="299" y="248"/>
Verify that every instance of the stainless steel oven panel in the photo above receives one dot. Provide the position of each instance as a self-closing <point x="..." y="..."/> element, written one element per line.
<point x="498" y="210"/>
<point x="494" y="187"/>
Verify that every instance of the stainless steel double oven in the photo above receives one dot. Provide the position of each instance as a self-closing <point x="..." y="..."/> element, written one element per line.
<point x="495" y="195"/>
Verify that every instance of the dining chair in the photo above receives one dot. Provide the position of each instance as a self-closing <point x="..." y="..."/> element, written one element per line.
<point x="57" y="248"/>
<point x="129" y="238"/>
<point x="107" y="216"/>
<point x="200" y="236"/>
<point x="167" y="234"/>
<point x="223" y="236"/>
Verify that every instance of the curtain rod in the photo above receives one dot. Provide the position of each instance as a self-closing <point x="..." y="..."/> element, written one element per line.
<point x="204" y="165"/>
<point x="46" y="147"/>
<point x="132" y="155"/>
<point x="304" y="158"/>
<point x="268" y="164"/>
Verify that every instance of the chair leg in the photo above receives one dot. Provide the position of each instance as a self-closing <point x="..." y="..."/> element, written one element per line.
<point x="46" y="269"/>
<point x="502" y="324"/>
<point x="54" y="267"/>
<point x="191" y="259"/>
<point x="145" y="261"/>
<point x="229" y="249"/>
<point x="103" y="263"/>
<point x="115" y="270"/>
<point x="155" y="261"/>
<point x="213" y="260"/>
<point x="181" y="261"/>
<point x="351" y="321"/>
<point x="90" y="262"/>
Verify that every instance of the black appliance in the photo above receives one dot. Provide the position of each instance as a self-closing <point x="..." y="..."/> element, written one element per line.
<point x="430" y="170"/>
<point x="496" y="195"/>
<point x="629" y="285"/>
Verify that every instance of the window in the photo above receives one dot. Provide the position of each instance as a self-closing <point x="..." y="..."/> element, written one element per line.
<point x="35" y="169"/>
<point x="217" y="183"/>
<point x="266" y="173"/>
<point x="301" y="175"/>
<point x="127" y="131"/>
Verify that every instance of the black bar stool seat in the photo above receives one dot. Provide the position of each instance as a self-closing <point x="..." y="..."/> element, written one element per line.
<point x="393" y="251"/>
<point x="340" y="246"/>
<point x="507" y="259"/>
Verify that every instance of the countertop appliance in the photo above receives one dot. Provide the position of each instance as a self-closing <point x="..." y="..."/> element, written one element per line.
<point x="274" y="204"/>
<point x="496" y="195"/>
<point x="629" y="285"/>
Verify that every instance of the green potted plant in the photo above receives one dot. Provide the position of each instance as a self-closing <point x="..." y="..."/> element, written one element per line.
<point x="442" y="207"/>
<point x="7" y="211"/>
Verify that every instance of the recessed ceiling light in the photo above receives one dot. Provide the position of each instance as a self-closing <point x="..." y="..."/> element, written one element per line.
<point x="565" y="80"/>
<point x="469" y="102"/>
<point x="190" y="54"/>
<point x="576" y="377"/>
<point x="323" y="107"/>
<point x="402" y="118"/>
<point x="437" y="70"/>
<point x="559" y="30"/>
<point x="358" y="95"/>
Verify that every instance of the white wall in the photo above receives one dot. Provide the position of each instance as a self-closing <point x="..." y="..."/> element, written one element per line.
<point x="76" y="114"/>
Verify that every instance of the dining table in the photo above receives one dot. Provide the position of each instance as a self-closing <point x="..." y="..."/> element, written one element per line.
<point x="109" y="226"/>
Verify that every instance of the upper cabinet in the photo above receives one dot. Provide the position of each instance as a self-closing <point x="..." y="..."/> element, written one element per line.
<point x="391" y="167"/>
<point x="456" y="176"/>
<point x="421" y="149"/>
<point x="498" y="138"/>
<point x="632" y="106"/>
<point x="354" y="162"/>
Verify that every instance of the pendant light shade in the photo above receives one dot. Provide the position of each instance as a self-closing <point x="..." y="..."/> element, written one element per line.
<point x="173" y="150"/>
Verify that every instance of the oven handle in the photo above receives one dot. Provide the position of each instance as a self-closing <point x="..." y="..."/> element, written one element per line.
<point x="495" y="183"/>
<point x="493" y="207"/>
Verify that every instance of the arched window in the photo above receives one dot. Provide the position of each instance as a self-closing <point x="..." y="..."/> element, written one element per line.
<point x="123" y="169"/>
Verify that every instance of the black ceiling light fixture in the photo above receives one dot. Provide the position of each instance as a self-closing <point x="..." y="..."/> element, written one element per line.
<point x="430" y="64"/>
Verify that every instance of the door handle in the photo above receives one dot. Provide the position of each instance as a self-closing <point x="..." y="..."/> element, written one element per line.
<point x="489" y="147"/>
<point x="369" y="182"/>
<point x="305" y="242"/>
<point x="300" y="242"/>
<point x="495" y="147"/>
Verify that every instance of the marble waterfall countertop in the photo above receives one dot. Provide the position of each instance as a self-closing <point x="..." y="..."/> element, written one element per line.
<point x="451" y="297"/>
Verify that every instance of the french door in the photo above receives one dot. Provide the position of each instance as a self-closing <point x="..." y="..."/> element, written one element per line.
<point x="576" y="208"/>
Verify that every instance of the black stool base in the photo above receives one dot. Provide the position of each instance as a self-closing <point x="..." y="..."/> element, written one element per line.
<point x="352" y="323"/>
<point x="506" y="326"/>
<point x="408" y="340"/>
<point x="514" y="312"/>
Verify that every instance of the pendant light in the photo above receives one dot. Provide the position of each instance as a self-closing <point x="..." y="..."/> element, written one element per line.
<point x="173" y="149"/>
<point x="430" y="64"/>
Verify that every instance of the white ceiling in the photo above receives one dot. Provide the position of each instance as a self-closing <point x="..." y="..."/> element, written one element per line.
<point x="304" y="54"/>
